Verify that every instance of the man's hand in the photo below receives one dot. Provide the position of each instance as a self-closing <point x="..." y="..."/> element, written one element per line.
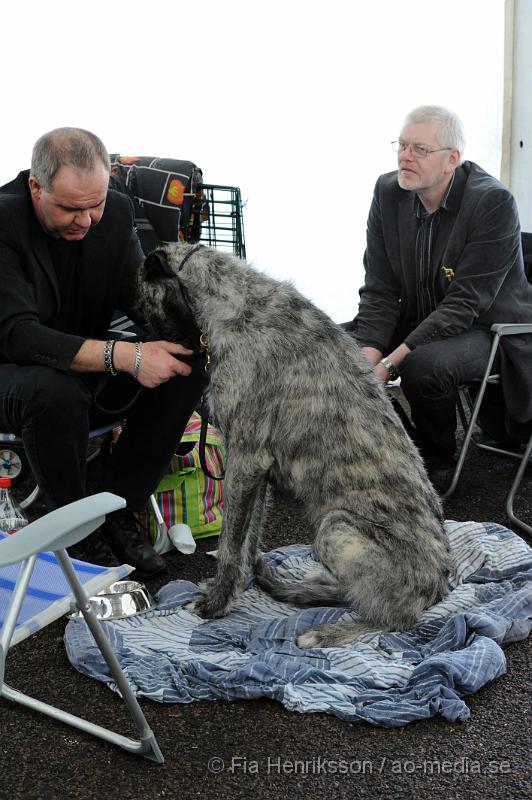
<point x="157" y="361"/>
<point x="371" y="354"/>
<point x="380" y="372"/>
<point x="374" y="356"/>
<point x="396" y="358"/>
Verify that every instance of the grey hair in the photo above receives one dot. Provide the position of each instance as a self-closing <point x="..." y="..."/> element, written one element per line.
<point x="62" y="147"/>
<point x="450" y="128"/>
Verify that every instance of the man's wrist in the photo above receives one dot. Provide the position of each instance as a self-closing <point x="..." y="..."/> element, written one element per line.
<point x="393" y="372"/>
<point x="138" y="358"/>
<point x="124" y="357"/>
<point x="108" y="360"/>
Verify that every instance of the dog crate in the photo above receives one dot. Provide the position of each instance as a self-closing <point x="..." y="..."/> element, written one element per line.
<point x="222" y="224"/>
<point x="171" y="203"/>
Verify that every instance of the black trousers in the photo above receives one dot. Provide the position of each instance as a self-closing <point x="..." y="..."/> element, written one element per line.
<point x="53" y="411"/>
<point x="430" y="375"/>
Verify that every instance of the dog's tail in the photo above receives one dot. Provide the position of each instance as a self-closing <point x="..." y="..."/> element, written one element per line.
<point x="316" y="588"/>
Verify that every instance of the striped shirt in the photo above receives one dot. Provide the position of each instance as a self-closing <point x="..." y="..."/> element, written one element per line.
<point x="427" y="232"/>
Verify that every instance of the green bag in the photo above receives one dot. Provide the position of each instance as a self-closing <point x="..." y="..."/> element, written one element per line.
<point x="186" y="494"/>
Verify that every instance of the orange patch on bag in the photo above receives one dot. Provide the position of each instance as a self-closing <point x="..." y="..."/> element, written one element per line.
<point x="176" y="192"/>
<point x="128" y="159"/>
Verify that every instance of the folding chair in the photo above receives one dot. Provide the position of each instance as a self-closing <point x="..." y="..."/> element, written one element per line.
<point x="12" y="462"/>
<point x="56" y="531"/>
<point x="524" y="456"/>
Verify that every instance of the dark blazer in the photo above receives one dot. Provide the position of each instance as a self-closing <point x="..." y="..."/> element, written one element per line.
<point x="478" y="274"/>
<point x="110" y="255"/>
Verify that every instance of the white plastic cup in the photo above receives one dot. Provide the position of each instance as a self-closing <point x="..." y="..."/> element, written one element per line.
<point x="181" y="537"/>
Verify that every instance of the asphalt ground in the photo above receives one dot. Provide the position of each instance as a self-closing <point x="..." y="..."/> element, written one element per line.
<point x="257" y="749"/>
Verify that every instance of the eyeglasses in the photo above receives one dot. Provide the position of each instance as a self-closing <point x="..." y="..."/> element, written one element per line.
<point x="417" y="150"/>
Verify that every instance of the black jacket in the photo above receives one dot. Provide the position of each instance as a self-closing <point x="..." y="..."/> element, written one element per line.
<point x="479" y="245"/>
<point x="110" y="255"/>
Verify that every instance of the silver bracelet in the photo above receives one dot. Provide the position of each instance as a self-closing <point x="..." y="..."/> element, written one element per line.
<point x="138" y="356"/>
<point x="108" y="363"/>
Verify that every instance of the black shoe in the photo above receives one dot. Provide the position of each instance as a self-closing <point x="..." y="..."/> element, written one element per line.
<point x="123" y="534"/>
<point x="441" y="472"/>
<point x="95" y="550"/>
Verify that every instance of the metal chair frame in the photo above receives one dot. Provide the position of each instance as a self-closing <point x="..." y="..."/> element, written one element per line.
<point x="524" y="456"/>
<point x="56" y="531"/>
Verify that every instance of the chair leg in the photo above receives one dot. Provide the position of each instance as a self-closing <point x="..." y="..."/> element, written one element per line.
<point x="162" y="542"/>
<point x="515" y="485"/>
<point x="473" y="416"/>
<point x="468" y="428"/>
<point x="146" y="745"/>
<point x="19" y="592"/>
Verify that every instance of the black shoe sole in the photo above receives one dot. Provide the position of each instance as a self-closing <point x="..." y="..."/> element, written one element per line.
<point x="139" y="573"/>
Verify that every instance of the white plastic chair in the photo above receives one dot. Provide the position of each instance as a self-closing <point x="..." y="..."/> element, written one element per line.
<point x="56" y="531"/>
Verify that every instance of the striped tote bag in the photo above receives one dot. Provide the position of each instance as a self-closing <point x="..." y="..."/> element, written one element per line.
<point x="185" y="493"/>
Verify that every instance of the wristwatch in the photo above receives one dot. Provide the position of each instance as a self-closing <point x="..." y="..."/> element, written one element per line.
<point x="393" y="372"/>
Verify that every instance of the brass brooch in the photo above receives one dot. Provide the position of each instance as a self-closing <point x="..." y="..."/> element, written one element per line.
<point x="448" y="273"/>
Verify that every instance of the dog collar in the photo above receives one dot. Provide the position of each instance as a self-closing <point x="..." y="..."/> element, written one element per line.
<point x="188" y="255"/>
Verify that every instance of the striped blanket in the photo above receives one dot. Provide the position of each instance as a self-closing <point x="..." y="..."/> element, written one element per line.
<point x="385" y="679"/>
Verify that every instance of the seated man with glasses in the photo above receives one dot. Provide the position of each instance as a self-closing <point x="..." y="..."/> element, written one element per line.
<point x="443" y="262"/>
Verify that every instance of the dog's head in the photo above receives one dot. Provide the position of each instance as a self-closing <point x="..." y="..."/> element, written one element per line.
<point x="162" y="299"/>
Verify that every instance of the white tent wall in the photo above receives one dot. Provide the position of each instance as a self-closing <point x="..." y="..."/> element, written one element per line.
<point x="294" y="102"/>
<point x="516" y="170"/>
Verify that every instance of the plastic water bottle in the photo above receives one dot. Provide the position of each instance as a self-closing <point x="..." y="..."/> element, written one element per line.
<point x="12" y="517"/>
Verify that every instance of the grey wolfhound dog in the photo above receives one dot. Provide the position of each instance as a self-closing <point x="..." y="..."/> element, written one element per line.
<point x="299" y="406"/>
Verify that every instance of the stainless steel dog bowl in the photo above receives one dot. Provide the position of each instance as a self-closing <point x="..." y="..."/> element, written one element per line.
<point x="122" y="599"/>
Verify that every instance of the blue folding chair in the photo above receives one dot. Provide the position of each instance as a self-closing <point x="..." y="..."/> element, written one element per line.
<point x="37" y="587"/>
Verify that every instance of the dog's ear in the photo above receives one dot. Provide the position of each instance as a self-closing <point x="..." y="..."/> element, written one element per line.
<point x="156" y="265"/>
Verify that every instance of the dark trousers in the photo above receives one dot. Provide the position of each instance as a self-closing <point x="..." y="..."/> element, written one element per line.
<point x="430" y="375"/>
<point x="52" y="411"/>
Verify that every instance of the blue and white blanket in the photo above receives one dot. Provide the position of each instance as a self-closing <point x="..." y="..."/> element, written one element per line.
<point x="172" y="656"/>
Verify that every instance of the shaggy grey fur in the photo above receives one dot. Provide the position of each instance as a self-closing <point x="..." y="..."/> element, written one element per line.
<point x="299" y="406"/>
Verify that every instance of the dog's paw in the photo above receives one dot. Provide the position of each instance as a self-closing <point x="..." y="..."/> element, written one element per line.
<point x="206" y="585"/>
<point x="206" y="608"/>
<point x="317" y="638"/>
<point x="192" y="606"/>
<point x="308" y="640"/>
<point x="333" y="634"/>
